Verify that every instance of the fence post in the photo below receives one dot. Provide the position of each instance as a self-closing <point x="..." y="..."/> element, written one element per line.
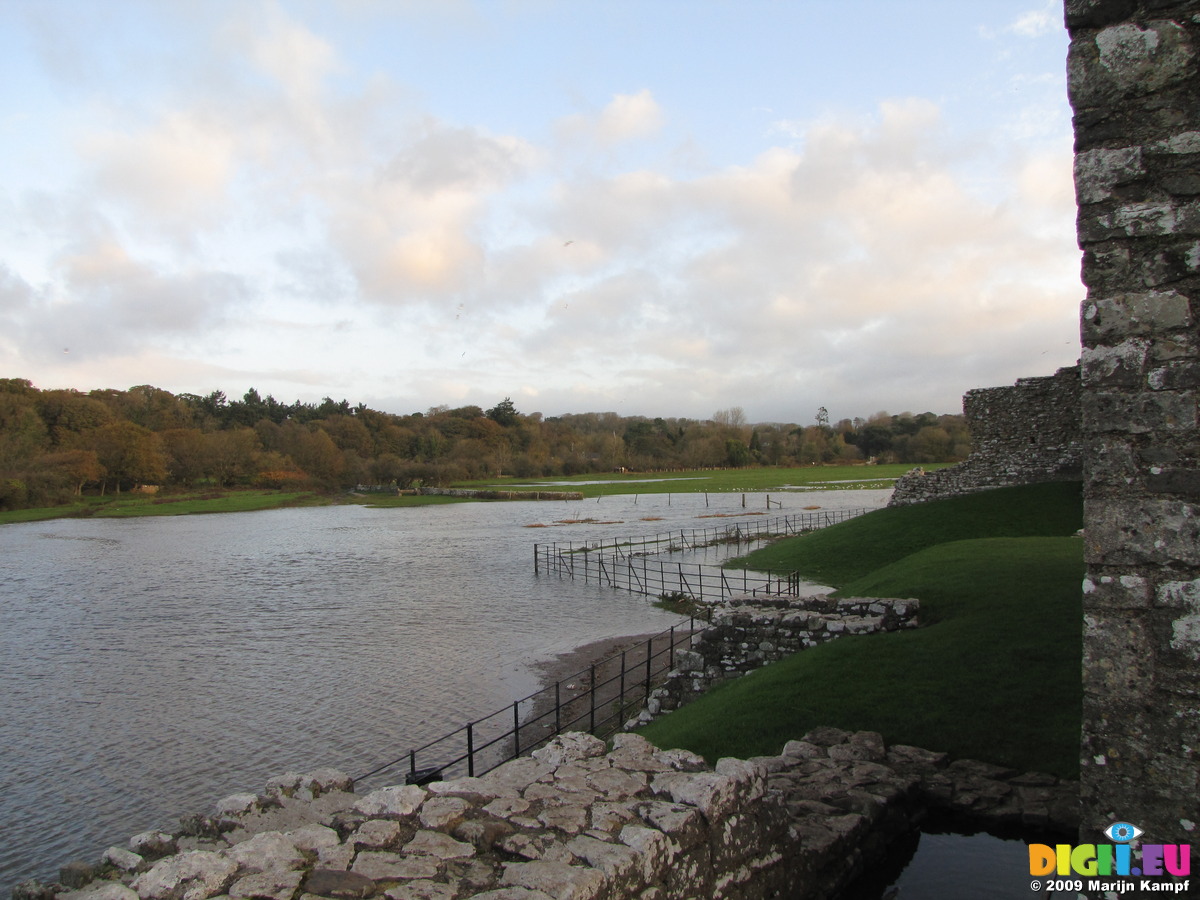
<point x="536" y="570"/>
<point x="516" y="730"/>
<point x="471" y="749"/>
<point x="649" y="659"/>
<point x="412" y="764"/>
<point x="592" y="697"/>
<point x="621" y="699"/>
<point x="671" y="654"/>
<point x="557" y="708"/>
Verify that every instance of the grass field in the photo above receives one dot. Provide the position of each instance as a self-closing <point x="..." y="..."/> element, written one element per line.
<point x="711" y="480"/>
<point x="391" y="501"/>
<point x="849" y="550"/>
<point x="181" y="504"/>
<point x="993" y="671"/>
<point x="723" y="480"/>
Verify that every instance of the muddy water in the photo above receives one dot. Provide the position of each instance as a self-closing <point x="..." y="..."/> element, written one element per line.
<point x="151" y="666"/>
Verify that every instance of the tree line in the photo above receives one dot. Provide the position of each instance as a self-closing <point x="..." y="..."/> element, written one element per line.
<point x="56" y="444"/>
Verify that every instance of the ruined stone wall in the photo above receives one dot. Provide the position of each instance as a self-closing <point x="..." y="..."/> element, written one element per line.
<point x="1023" y="434"/>
<point x="746" y="633"/>
<point x="575" y="821"/>
<point x="1134" y="81"/>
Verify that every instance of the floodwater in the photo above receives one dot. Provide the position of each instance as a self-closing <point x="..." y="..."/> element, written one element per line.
<point x="152" y="666"/>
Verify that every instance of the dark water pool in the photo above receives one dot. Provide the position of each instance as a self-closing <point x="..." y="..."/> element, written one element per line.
<point x="947" y="866"/>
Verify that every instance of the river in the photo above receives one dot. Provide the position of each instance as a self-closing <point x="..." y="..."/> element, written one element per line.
<point x="152" y="666"/>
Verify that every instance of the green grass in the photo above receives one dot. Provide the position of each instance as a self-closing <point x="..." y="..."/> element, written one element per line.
<point x="182" y="504"/>
<point x="849" y="550"/>
<point x="992" y="673"/>
<point x="765" y="478"/>
<point x="390" y="501"/>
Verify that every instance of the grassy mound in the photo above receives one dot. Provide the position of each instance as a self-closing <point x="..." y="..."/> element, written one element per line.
<point x="841" y="553"/>
<point x="992" y="673"/>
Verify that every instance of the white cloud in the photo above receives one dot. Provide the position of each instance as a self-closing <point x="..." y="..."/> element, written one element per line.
<point x="627" y="117"/>
<point x="295" y="218"/>
<point x="177" y="170"/>
<point x="1037" y="22"/>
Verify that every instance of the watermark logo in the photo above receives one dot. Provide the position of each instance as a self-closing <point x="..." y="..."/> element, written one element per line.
<point x="1122" y="832"/>
<point x="1096" y="862"/>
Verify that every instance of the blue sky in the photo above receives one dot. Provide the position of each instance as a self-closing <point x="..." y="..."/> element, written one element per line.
<point x="654" y="207"/>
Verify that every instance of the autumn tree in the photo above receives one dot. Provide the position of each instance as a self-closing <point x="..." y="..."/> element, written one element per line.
<point x="129" y="453"/>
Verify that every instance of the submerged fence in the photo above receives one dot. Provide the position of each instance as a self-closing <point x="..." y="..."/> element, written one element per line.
<point x="602" y="697"/>
<point x="693" y="538"/>
<point x="598" y="700"/>
<point x="626" y="564"/>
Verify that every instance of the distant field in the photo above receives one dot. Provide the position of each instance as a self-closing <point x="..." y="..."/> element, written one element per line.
<point x="181" y="504"/>
<point x="712" y="480"/>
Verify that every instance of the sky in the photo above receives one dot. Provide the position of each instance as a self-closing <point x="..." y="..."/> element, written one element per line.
<point x="652" y="207"/>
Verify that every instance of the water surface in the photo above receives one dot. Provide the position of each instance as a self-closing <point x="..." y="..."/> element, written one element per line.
<point x="151" y="666"/>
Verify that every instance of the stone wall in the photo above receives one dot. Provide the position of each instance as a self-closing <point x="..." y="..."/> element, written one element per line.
<point x="1023" y="434"/>
<point x="575" y="822"/>
<point x="1134" y="81"/>
<point x="748" y="632"/>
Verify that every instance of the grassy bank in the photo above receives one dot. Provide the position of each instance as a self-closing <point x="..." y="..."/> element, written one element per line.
<point x="992" y="673"/>
<point x="852" y="549"/>
<point x="711" y="480"/>
<point x="183" y="503"/>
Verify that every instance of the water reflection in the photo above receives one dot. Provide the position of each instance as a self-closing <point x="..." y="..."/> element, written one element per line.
<point x="152" y="666"/>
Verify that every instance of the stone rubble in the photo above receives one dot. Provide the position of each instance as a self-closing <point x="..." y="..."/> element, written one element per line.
<point x="577" y="821"/>
<point x="747" y="632"/>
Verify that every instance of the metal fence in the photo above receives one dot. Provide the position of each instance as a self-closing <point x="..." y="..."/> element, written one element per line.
<point x="626" y="564"/>
<point x="694" y="538"/>
<point x="602" y="697"/>
<point x="598" y="700"/>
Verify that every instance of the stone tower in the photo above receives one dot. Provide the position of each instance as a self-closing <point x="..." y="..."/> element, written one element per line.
<point x="1134" y="82"/>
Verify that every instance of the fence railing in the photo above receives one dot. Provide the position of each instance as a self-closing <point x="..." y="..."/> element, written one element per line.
<point x="626" y="563"/>
<point x="694" y="538"/>
<point x="602" y="697"/>
<point x="598" y="700"/>
<point x="653" y="578"/>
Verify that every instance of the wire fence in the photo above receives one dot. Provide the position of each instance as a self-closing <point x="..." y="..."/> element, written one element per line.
<point x="626" y="564"/>
<point x="598" y="699"/>
<point x="602" y="697"/>
<point x="696" y="538"/>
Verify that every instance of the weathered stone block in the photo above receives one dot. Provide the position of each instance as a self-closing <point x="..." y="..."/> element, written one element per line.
<point x="1131" y="314"/>
<point x="274" y="884"/>
<point x="340" y="885"/>
<point x="195" y="875"/>
<point x="1117" y="592"/>
<point x="1151" y="531"/>
<point x="434" y="843"/>
<point x="391" y="802"/>
<point x="557" y="879"/>
<point x="1118" y="658"/>
<point x="1140" y="413"/>
<point x="383" y="865"/>
<point x="1097" y="172"/>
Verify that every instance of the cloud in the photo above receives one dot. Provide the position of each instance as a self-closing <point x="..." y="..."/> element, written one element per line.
<point x="1037" y="22"/>
<point x="843" y="259"/>
<point x="627" y="117"/>
<point x="856" y="258"/>
<point x="110" y="302"/>
<point x="176" y="171"/>
<point x="453" y="158"/>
